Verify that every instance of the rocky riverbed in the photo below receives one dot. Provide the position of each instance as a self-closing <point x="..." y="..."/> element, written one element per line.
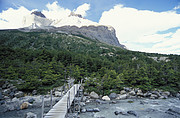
<point x="134" y="108"/>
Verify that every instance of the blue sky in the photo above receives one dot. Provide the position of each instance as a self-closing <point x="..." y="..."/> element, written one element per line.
<point x="97" y="6"/>
<point x="141" y="25"/>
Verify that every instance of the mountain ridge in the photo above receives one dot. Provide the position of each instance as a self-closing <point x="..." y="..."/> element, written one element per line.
<point x="73" y="24"/>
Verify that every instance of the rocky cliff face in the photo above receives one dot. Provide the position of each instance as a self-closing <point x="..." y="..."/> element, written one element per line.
<point x="103" y="34"/>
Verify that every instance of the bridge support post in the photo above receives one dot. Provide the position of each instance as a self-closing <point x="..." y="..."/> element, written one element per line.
<point x="51" y="99"/>
<point x="42" y="112"/>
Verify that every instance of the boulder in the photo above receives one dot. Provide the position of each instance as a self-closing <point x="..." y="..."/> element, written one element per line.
<point x="147" y="94"/>
<point x="153" y="96"/>
<point x="89" y="110"/>
<point x="2" y="102"/>
<point x="127" y="89"/>
<point x="83" y="110"/>
<point x="96" y="110"/>
<point x="178" y="95"/>
<point x="132" y="93"/>
<point x="6" y="91"/>
<point x="113" y="96"/>
<point x="82" y="104"/>
<point x="122" y="92"/>
<point x="34" y="92"/>
<point x="19" y="94"/>
<point x="121" y="97"/>
<point x="106" y="98"/>
<point x="100" y="101"/>
<point x="166" y="93"/>
<point x="156" y="93"/>
<point x="140" y="93"/>
<point x="24" y="105"/>
<point x="57" y="94"/>
<point x="31" y="100"/>
<point x="132" y="113"/>
<point x="116" y="112"/>
<point x="13" y="89"/>
<point x="31" y="115"/>
<point x="11" y="95"/>
<point x="94" y="95"/>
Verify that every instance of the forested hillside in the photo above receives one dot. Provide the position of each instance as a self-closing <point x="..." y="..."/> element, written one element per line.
<point x="43" y="60"/>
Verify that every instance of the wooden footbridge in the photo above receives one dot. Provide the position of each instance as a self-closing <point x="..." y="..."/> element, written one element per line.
<point x="60" y="109"/>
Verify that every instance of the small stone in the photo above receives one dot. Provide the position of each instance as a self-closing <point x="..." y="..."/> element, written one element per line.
<point x="116" y="112"/>
<point x="31" y="115"/>
<point x="106" y="98"/>
<point x="161" y="97"/>
<point x="113" y="102"/>
<point x="96" y="110"/>
<point x="89" y="110"/>
<point x="57" y="94"/>
<point x="132" y="113"/>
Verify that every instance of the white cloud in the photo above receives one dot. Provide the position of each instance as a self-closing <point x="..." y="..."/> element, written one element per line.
<point x="55" y="11"/>
<point x="177" y="7"/>
<point x="140" y="26"/>
<point x="12" y="18"/>
<point x="82" y="9"/>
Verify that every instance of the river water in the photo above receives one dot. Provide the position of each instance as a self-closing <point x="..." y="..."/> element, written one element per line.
<point x="144" y="108"/>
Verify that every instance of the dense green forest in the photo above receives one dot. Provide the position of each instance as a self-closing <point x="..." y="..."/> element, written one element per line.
<point x="43" y="60"/>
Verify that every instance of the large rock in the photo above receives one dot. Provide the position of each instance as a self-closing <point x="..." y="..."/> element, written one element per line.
<point x="113" y="96"/>
<point x="19" y="94"/>
<point x="140" y="93"/>
<point x="6" y="91"/>
<point x="106" y="98"/>
<point x="153" y="96"/>
<point x="166" y="93"/>
<point x="31" y="100"/>
<point x="132" y="113"/>
<point x="57" y="94"/>
<point x="94" y="95"/>
<point x="34" y="92"/>
<point x="24" y="105"/>
<point x="127" y="89"/>
<point x="132" y="93"/>
<point x="156" y="93"/>
<point x="121" y="97"/>
<point x="122" y="92"/>
<point x="31" y="115"/>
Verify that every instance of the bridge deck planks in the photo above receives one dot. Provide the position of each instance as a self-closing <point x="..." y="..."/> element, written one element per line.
<point x="59" y="110"/>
